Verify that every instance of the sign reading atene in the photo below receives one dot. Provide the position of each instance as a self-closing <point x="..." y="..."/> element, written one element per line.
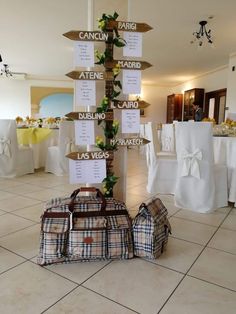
<point x="90" y="75"/>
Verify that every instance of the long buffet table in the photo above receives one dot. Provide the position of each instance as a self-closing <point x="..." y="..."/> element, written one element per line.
<point x="39" y="139"/>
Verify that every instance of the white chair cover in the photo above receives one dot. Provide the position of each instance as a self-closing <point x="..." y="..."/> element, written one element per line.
<point x="161" y="169"/>
<point x="195" y="184"/>
<point x="14" y="161"/>
<point x="168" y="138"/>
<point x="56" y="161"/>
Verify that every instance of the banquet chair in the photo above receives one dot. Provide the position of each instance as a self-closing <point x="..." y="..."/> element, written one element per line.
<point x="142" y="134"/>
<point x="168" y="140"/>
<point x="56" y="162"/>
<point x="14" y="160"/>
<point x="201" y="186"/>
<point x="162" y="166"/>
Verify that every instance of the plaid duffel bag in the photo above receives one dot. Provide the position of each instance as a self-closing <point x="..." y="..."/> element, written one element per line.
<point x="84" y="228"/>
<point x="151" y="229"/>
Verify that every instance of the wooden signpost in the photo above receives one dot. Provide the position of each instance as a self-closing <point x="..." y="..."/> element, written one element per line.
<point x="129" y="104"/>
<point x="110" y="36"/>
<point x="90" y="116"/>
<point x="128" y="64"/>
<point x="90" y="75"/>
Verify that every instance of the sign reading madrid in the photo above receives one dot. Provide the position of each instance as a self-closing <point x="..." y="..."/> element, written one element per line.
<point x="128" y="64"/>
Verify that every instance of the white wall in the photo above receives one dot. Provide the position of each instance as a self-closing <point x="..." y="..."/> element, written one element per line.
<point x="15" y="95"/>
<point x="210" y="82"/>
<point x="231" y="85"/>
<point x="156" y="96"/>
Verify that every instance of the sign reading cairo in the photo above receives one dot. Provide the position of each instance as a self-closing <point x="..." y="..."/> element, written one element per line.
<point x="136" y="141"/>
<point x="86" y="36"/>
<point x="125" y="104"/>
<point x="90" y="75"/>
<point x="90" y="155"/>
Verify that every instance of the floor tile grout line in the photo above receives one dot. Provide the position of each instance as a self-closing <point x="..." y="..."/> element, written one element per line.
<point x="81" y="285"/>
<point x="102" y="295"/>
<point x="15" y="266"/>
<point x="7" y="234"/>
<point x="163" y="266"/>
<point x="14" y="214"/>
<point x="203" y="249"/>
<point x="211" y="283"/>
<point x="198" y="222"/>
<point x="52" y="305"/>
<point x="206" y="245"/>
<point x="54" y="272"/>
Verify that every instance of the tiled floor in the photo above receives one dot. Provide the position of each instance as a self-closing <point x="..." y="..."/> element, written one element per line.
<point x="197" y="273"/>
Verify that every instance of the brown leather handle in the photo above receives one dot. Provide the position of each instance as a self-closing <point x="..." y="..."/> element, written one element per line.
<point x="87" y="189"/>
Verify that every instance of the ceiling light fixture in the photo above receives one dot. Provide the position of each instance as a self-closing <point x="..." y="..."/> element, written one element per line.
<point x="5" y="71"/>
<point x="202" y="35"/>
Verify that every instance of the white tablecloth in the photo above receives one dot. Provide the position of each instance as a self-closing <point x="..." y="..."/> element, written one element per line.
<point x="225" y="154"/>
<point x="40" y="149"/>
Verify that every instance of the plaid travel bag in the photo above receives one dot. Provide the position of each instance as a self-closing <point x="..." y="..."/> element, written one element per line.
<point x="151" y="229"/>
<point x="84" y="228"/>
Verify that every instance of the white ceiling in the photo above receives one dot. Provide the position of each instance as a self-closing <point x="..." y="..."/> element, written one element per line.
<point x="31" y="38"/>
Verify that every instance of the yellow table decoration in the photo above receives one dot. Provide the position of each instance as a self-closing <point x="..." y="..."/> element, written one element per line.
<point x="27" y="136"/>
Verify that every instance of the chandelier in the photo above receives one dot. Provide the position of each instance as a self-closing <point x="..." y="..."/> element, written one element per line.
<point x="202" y="35"/>
<point x="5" y="71"/>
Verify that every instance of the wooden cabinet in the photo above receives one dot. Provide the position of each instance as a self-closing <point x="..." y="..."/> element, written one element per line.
<point x="193" y="95"/>
<point x="174" y="107"/>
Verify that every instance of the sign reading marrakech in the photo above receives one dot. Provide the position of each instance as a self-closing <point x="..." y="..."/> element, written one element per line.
<point x="86" y="36"/>
<point x="135" y="141"/>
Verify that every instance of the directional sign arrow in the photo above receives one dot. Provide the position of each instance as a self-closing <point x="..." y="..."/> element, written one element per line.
<point x="129" y="26"/>
<point x="90" y="115"/>
<point x="134" y="141"/>
<point x="128" y="104"/>
<point x="90" y="155"/>
<point x="90" y="75"/>
<point x="128" y="64"/>
<point x="86" y="35"/>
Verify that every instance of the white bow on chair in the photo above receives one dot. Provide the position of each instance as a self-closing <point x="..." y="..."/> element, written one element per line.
<point x="5" y="147"/>
<point x="190" y="163"/>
